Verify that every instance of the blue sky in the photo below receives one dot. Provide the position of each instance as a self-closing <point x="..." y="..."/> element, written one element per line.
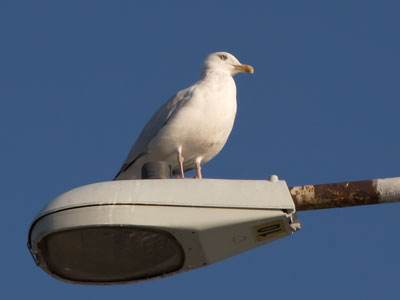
<point x="79" y="79"/>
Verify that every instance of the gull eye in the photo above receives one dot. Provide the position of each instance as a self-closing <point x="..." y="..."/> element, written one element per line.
<point x="223" y="57"/>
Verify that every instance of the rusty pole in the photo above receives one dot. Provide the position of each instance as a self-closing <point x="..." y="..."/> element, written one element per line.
<point x="375" y="191"/>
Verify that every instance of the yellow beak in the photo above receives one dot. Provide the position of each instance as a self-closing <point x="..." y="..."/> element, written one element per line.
<point x="244" y="68"/>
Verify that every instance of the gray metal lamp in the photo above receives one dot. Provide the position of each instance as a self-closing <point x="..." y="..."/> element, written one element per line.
<point x="127" y="231"/>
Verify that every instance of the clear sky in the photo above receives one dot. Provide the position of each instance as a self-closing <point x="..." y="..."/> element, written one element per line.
<point x="78" y="80"/>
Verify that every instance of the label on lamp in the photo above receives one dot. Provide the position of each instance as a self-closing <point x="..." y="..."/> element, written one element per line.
<point x="269" y="230"/>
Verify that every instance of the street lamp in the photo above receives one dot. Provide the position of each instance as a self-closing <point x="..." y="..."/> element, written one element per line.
<point x="126" y="231"/>
<point x="132" y="230"/>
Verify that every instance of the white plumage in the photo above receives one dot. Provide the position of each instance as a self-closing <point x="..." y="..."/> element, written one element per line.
<point x="193" y="126"/>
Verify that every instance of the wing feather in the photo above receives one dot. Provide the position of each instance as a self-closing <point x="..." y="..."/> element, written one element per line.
<point x="154" y="125"/>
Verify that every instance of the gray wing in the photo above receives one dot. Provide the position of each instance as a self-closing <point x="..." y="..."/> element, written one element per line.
<point x="154" y="125"/>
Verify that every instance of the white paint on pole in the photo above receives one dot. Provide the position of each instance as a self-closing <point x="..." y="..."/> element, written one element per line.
<point x="388" y="189"/>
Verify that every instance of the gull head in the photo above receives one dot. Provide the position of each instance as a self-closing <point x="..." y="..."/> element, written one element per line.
<point x="225" y="61"/>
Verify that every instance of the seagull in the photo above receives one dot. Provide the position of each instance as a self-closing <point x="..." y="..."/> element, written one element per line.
<point x="193" y="126"/>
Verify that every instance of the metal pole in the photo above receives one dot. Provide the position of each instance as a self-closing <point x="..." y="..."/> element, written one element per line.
<point x="375" y="191"/>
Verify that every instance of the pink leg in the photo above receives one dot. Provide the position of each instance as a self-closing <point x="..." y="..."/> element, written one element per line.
<point x="198" y="170"/>
<point x="180" y="159"/>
